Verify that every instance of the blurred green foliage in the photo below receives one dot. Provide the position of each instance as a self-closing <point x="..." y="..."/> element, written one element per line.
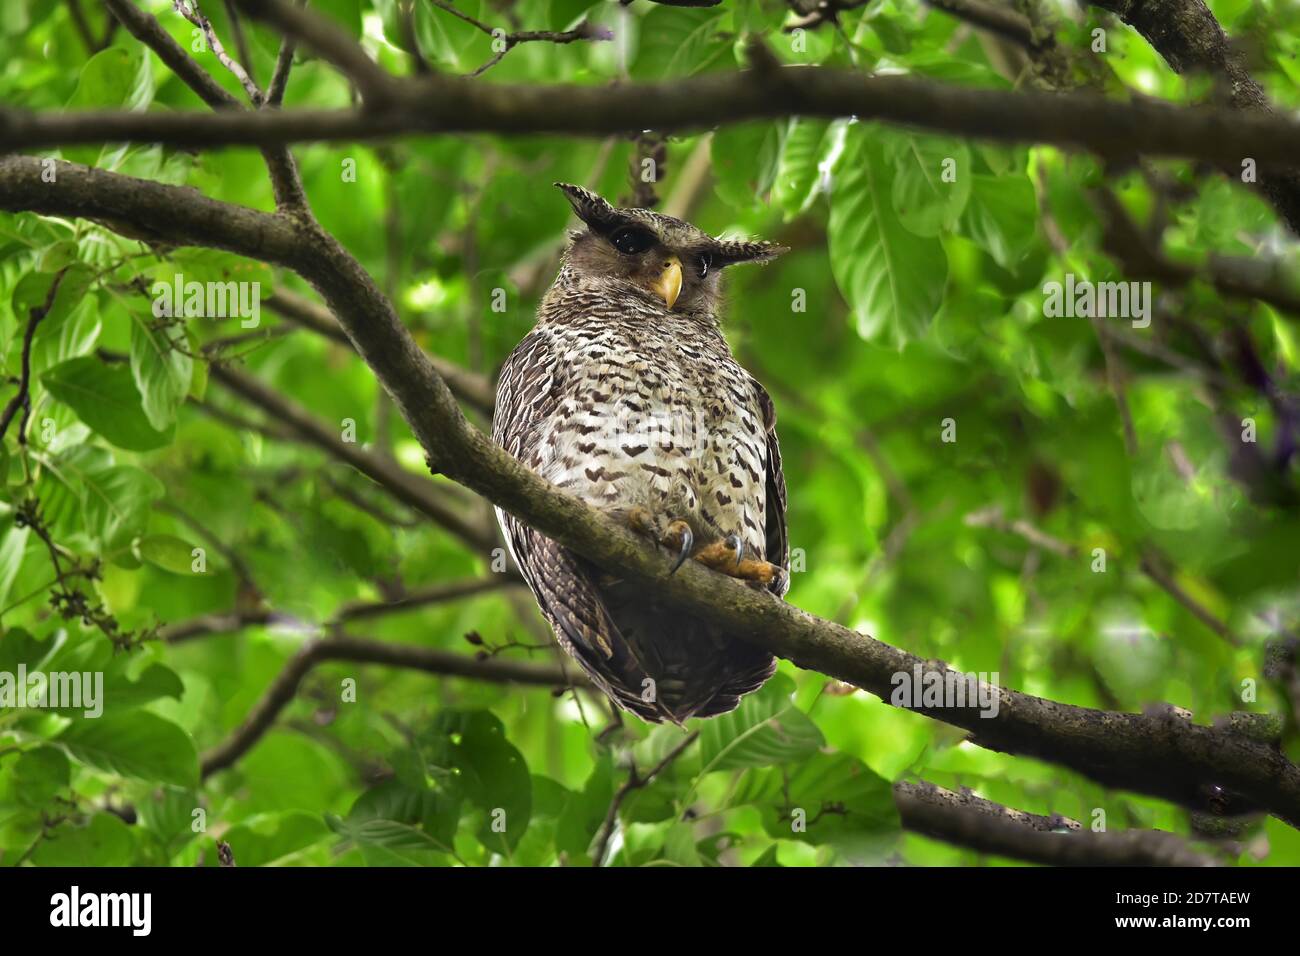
<point x="906" y="300"/>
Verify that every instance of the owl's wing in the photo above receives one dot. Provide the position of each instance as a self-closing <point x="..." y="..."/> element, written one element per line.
<point x="778" y="540"/>
<point x="562" y="583"/>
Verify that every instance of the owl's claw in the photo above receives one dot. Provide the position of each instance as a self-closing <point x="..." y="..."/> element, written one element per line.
<point x="680" y="534"/>
<point x="676" y="535"/>
<point x="734" y="542"/>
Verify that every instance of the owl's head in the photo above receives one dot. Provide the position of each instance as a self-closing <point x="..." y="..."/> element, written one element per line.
<point x="659" y="254"/>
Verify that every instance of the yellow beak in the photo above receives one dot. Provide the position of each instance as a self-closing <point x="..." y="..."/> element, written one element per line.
<point x="669" y="286"/>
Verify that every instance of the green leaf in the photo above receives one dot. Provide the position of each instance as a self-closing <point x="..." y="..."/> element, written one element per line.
<point x="39" y="774"/>
<point x="832" y="799"/>
<point x="114" y="499"/>
<point x="268" y="838"/>
<point x="768" y="858"/>
<point x="105" y="398"/>
<point x="679" y="845"/>
<point x="33" y="291"/>
<point x="799" y="175"/>
<point x="932" y="181"/>
<point x="119" y="76"/>
<point x="1002" y="216"/>
<point x="110" y="78"/>
<point x="17" y="646"/>
<point x="105" y="841"/>
<point x="161" y="369"/>
<point x="138" y="744"/>
<point x="893" y="278"/>
<point x="168" y="813"/>
<point x="680" y="41"/>
<point x="165" y="551"/>
<point x="766" y="729"/>
<point x="490" y="772"/>
<point x="745" y="162"/>
<point x="13" y="546"/>
<point x="436" y="812"/>
<point x="154" y="683"/>
<point x="581" y="819"/>
<point x="389" y="843"/>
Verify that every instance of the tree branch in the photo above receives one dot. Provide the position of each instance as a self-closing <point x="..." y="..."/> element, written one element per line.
<point x="1157" y="753"/>
<point x="999" y="19"/>
<point x="410" y="489"/>
<point x="330" y="41"/>
<point x="585" y="30"/>
<point x="635" y="781"/>
<point x="362" y="651"/>
<point x="23" y="398"/>
<point x="445" y="104"/>
<point x="189" y="9"/>
<point x="1260" y="279"/>
<point x="1190" y="39"/>
<point x="279" y="162"/>
<point x="970" y="821"/>
<point x="439" y="593"/>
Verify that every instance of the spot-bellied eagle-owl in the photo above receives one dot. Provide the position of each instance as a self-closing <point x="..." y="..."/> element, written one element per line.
<point x="626" y="395"/>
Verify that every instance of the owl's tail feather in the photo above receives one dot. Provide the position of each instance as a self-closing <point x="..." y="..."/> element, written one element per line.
<point x="697" y="672"/>
<point x="652" y="660"/>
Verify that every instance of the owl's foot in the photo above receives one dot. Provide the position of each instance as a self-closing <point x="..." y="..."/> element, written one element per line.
<point x="727" y="556"/>
<point x="675" y="536"/>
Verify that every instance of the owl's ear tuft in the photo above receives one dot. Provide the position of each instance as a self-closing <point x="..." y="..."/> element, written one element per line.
<point x="732" y="251"/>
<point x="590" y="208"/>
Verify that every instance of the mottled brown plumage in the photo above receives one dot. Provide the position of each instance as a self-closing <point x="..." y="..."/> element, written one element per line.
<point x="626" y="395"/>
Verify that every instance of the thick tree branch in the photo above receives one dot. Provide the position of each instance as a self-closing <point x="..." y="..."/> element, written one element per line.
<point x="996" y="18"/>
<point x="446" y="104"/>
<point x="961" y="819"/>
<point x="969" y="821"/>
<point x="1158" y="753"/>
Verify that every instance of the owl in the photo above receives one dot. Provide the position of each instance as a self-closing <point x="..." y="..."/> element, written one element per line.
<point x="626" y="395"/>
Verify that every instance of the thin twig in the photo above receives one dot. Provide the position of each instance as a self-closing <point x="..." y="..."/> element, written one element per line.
<point x="585" y="30"/>
<point x="241" y="40"/>
<point x="361" y="651"/>
<point x="635" y="781"/>
<point x="189" y="9"/>
<point x="23" y="399"/>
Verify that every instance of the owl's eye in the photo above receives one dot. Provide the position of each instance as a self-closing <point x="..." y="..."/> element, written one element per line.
<point x="706" y="261"/>
<point x="632" y="242"/>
